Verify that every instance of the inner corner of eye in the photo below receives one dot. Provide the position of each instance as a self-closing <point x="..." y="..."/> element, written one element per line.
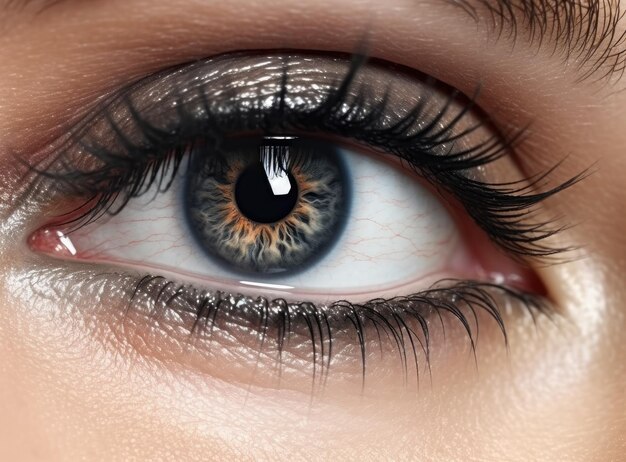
<point x="305" y="219"/>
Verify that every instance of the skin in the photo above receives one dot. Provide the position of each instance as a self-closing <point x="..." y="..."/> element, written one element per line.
<point x="76" y="386"/>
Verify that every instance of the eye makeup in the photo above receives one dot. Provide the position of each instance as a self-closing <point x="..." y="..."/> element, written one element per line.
<point x="127" y="146"/>
<point x="190" y="116"/>
<point x="277" y="343"/>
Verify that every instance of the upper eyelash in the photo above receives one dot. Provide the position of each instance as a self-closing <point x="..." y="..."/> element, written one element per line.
<point x="501" y="210"/>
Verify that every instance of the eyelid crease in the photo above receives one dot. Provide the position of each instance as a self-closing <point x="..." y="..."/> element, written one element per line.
<point x="585" y="32"/>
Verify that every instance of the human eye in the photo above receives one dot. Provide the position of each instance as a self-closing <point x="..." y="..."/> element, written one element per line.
<point x="334" y="200"/>
<point x="315" y="230"/>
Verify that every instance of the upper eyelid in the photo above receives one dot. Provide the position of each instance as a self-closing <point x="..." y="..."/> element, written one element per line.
<point x="452" y="172"/>
<point x="115" y="112"/>
<point x="74" y="129"/>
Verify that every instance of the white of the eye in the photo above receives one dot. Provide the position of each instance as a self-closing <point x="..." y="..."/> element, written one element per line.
<point x="397" y="232"/>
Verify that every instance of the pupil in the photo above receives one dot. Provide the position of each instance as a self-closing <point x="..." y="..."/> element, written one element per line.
<point x="256" y="200"/>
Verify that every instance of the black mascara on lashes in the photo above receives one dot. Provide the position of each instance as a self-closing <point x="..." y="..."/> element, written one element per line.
<point x="147" y="149"/>
<point x="127" y="149"/>
<point x="403" y="322"/>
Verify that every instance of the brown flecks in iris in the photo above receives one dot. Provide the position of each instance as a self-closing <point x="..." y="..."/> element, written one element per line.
<point x="269" y="247"/>
<point x="248" y="232"/>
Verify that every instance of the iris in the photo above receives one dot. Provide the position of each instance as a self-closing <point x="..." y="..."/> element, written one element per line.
<point x="268" y="206"/>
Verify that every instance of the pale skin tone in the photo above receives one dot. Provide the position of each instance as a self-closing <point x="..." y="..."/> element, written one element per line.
<point x="75" y="387"/>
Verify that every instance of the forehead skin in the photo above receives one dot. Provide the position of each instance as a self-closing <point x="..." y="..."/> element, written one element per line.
<point x="557" y="394"/>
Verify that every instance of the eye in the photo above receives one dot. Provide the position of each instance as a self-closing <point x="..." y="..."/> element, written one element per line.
<point x="303" y="177"/>
<point x="345" y="222"/>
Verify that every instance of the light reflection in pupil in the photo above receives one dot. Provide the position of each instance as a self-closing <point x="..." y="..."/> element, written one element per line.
<point x="256" y="200"/>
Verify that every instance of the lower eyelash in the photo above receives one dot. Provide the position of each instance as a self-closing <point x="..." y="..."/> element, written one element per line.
<point x="404" y="322"/>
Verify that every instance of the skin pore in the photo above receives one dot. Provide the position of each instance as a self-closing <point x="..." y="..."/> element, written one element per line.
<point x="75" y="385"/>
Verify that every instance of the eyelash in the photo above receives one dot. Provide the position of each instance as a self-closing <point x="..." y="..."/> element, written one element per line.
<point x="404" y="321"/>
<point x="501" y="210"/>
<point x="422" y="145"/>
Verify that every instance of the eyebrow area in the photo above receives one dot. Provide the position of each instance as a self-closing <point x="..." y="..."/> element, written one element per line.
<point x="588" y="33"/>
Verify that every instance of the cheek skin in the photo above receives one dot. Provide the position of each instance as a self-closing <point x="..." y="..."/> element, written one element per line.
<point x="109" y="393"/>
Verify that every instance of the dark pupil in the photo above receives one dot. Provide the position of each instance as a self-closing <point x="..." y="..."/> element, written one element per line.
<point x="255" y="198"/>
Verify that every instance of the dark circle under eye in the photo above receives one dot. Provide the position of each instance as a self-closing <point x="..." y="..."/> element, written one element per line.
<point x="256" y="200"/>
<point x="268" y="215"/>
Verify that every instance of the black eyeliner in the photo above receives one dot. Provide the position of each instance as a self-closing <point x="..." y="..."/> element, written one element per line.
<point x="348" y="108"/>
<point x="144" y="135"/>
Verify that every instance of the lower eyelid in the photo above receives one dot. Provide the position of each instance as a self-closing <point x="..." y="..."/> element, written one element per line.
<point x="242" y="340"/>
